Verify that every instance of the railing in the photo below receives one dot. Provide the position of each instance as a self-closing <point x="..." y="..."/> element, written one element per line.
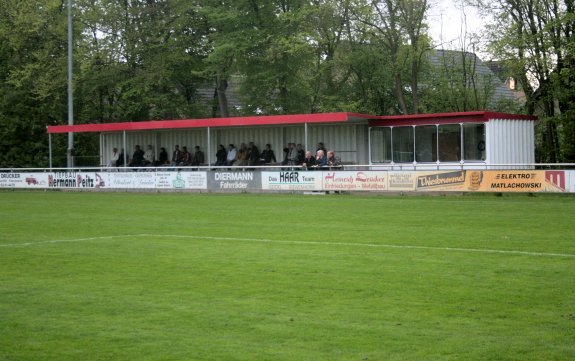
<point x="353" y="167"/>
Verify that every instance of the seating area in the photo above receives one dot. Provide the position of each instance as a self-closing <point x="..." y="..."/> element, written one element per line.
<point x="245" y="155"/>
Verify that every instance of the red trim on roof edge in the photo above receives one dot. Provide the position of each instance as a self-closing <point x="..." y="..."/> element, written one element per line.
<point x="484" y="114"/>
<point x="212" y="122"/>
<point x="374" y="120"/>
<point x="445" y="118"/>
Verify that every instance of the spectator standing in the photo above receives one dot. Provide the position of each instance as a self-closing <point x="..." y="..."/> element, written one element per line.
<point x="290" y="155"/>
<point x="114" y="158"/>
<point x="320" y="146"/>
<point x="300" y="154"/>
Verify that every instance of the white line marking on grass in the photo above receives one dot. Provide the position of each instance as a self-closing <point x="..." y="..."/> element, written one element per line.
<point x="65" y="240"/>
<point x="327" y="243"/>
<point x="374" y="245"/>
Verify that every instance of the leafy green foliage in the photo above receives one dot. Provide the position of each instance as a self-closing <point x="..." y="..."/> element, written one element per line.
<point x="137" y="60"/>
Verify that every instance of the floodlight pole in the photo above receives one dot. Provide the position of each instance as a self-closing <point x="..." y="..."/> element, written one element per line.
<point x="70" y="156"/>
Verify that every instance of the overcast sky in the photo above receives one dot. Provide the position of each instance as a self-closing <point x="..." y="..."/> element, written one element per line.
<point x="448" y="22"/>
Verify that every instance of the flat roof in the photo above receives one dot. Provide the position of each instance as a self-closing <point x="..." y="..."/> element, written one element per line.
<point x="444" y="118"/>
<point x="341" y="117"/>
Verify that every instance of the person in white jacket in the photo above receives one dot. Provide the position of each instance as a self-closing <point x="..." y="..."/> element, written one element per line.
<point x="114" y="158"/>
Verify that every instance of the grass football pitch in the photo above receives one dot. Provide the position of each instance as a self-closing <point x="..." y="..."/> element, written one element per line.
<point x="177" y="276"/>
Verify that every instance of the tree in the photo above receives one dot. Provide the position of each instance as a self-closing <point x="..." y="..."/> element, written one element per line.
<point x="141" y="60"/>
<point x="534" y="38"/>
<point x="32" y="80"/>
<point x="399" y="27"/>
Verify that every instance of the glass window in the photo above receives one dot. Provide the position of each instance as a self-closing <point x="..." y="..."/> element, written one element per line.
<point x="381" y="145"/>
<point x="426" y="143"/>
<point x="449" y="142"/>
<point x="403" y="144"/>
<point x="474" y="142"/>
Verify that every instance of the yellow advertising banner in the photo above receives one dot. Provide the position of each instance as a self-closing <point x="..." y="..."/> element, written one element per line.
<point x="555" y="181"/>
<point x="516" y="181"/>
<point x="454" y="181"/>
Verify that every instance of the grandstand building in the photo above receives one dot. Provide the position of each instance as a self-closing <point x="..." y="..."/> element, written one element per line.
<point x="427" y="140"/>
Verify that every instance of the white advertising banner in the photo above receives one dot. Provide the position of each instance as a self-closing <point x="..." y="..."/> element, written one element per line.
<point x="131" y="180"/>
<point x="401" y="181"/>
<point x="571" y="180"/>
<point x="23" y="180"/>
<point x="355" y="181"/>
<point x="292" y="181"/>
<point x="181" y="180"/>
<point x="75" y="180"/>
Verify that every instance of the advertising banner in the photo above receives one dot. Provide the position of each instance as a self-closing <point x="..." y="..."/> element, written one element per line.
<point x="517" y="181"/>
<point x="440" y="181"/>
<point x="234" y="180"/>
<point x="355" y="181"/>
<point x="131" y="180"/>
<point x="23" y="180"/>
<point x="571" y="179"/>
<point x="181" y="180"/>
<point x="557" y="181"/>
<point x="75" y="180"/>
<point x="401" y="181"/>
<point x="292" y="181"/>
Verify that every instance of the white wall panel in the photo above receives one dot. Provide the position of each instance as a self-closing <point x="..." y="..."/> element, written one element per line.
<point x="510" y="141"/>
<point x="341" y="138"/>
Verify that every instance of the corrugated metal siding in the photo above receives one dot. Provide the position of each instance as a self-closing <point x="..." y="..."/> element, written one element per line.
<point x="510" y="141"/>
<point x="341" y="138"/>
<point x="183" y="138"/>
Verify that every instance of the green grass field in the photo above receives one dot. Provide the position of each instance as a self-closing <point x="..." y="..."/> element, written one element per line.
<point x="129" y="276"/>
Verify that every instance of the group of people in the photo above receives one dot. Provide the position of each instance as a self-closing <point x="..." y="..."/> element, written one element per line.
<point x="184" y="158"/>
<point x="147" y="158"/>
<point x="245" y="155"/>
<point x="323" y="159"/>
<point x="294" y="155"/>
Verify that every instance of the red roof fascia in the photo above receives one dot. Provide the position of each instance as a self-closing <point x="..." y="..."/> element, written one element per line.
<point x="444" y="118"/>
<point x="213" y="122"/>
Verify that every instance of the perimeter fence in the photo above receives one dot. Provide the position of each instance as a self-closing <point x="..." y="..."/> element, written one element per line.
<point x="531" y="178"/>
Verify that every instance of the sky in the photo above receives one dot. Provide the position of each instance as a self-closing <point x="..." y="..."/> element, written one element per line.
<point x="448" y="22"/>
